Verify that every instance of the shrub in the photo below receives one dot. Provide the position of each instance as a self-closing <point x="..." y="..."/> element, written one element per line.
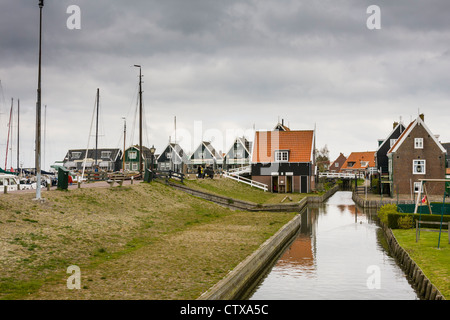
<point x="405" y="222"/>
<point x="385" y="210"/>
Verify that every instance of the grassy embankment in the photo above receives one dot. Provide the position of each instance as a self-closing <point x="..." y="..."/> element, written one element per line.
<point x="146" y="241"/>
<point x="434" y="262"/>
<point x="232" y="189"/>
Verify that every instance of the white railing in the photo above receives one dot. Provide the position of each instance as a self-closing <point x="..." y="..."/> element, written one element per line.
<point x="239" y="170"/>
<point x="338" y="175"/>
<point x="250" y="182"/>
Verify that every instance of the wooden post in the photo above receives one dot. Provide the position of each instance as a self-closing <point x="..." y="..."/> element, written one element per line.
<point x="417" y="230"/>
<point x="5" y="189"/>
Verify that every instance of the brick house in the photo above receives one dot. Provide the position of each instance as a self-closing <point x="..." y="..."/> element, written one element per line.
<point x="360" y="163"/>
<point x="284" y="160"/>
<point x="417" y="154"/>
<point x="337" y="164"/>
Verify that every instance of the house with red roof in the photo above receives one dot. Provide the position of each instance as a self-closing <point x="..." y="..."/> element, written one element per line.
<point x="416" y="155"/>
<point x="360" y="163"/>
<point x="337" y="164"/>
<point x="284" y="159"/>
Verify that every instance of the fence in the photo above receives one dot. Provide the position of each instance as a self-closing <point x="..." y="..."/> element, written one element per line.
<point x="418" y="228"/>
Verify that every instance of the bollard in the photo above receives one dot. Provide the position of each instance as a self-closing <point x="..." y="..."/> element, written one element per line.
<point x="132" y="178"/>
<point x="5" y="189"/>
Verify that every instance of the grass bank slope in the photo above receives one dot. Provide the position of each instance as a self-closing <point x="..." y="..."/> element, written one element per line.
<point x="146" y="241"/>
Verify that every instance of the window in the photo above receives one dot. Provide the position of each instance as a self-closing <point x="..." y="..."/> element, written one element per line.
<point x="419" y="167"/>
<point x="106" y="154"/>
<point x="76" y="155"/>
<point x="336" y="164"/>
<point x="132" y="155"/>
<point x="418" y="143"/>
<point x="364" y="163"/>
<point x="169" y="155"/>
<point x="135" y="166"/>
<point x="127" y="166"/>
<point x="350" y="164"/>
<point x="281" y="156"/>
<point x="417" y="186"/>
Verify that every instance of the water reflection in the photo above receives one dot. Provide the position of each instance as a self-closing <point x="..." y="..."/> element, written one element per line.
<point x="330" y="258"/>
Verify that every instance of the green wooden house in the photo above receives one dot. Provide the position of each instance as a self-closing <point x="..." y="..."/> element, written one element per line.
<point x="132" y="155"/>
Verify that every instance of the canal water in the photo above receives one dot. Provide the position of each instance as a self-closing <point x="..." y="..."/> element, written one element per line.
<point x="338" y="253"/>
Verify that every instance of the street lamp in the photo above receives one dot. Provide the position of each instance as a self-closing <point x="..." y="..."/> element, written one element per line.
<point x="38" y="111"/>
<point x="152" y="152"/>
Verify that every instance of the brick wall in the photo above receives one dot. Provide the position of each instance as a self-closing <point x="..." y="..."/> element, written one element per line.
<point x="402" y="160"/>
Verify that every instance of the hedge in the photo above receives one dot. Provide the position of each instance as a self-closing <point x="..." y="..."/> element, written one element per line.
<point x="392" y="219"/>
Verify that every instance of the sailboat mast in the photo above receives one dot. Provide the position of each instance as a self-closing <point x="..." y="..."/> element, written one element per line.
<point x="96" y="128"/>
<point x="9" y="130"/>
<point x="18" y="133"/>
<point x="140" y="121"/>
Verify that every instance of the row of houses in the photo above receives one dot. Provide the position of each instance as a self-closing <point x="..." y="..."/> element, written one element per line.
<point x="172" y="158"/>
<point x="406" y="156"/>
<point x="283" y="159"/>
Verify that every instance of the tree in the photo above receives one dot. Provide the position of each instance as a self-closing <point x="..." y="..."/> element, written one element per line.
<point x="322" y="158"/>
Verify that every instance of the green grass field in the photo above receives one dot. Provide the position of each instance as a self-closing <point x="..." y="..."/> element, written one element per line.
<point x="434" y="262"/>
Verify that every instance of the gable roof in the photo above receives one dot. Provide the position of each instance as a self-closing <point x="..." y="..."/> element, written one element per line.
<point x="299" y="143"/>
<point x="400" y="126"/>
<point x="244" y="142"/>
<point x="341" y="155"/>
<point x="408" y="130"/>
<point x="357" y="158"/>
<point x="208" y="146"/>
<point x="115" y="153"/>
<point x="176" y="149"/>
<point x="145" y="151"/>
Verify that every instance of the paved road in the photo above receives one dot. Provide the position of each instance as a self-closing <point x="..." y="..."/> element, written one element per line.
<point x="99" y="184"/>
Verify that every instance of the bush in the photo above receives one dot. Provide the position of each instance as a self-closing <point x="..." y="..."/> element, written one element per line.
<point x="385" y="211"/>
<point x="405" y="222"/>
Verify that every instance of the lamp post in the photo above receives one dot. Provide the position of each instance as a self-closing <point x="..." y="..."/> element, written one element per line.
<point x="152" y="152"/>
<point x="38" y="111"/>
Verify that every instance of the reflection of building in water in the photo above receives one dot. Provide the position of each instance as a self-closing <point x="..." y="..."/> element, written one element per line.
<point x="301" y="253"/>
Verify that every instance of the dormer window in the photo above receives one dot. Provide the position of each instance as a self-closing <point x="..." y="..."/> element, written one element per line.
<point x="76" y="155"/>
<point x="418" y="143"/>
<point x="281" y="156"/>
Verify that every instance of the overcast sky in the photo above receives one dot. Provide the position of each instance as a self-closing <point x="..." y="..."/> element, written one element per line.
<point x="223" y="68"/>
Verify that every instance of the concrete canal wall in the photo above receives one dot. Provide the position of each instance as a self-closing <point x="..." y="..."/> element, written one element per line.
<point x="422" y="284"/>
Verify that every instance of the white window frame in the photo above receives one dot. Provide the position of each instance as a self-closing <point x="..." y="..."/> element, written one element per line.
<point x="416" y="163"/>
<point x="127" y="166"/>
<point x="336" y="164"/>
<point x="76" y="155"/>
<point x="132" y="155"/>
<point x="282" y="156"/>
<point x="105" y="154"/>
<point x="169" y="155"/>
<point x="135" y="166"/>
<point x="418" y="143"/>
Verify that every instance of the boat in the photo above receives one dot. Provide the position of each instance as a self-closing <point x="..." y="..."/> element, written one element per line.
<point x="14" y="183"/>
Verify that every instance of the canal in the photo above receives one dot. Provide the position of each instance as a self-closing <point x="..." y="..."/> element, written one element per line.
<point x="338" y="253"/>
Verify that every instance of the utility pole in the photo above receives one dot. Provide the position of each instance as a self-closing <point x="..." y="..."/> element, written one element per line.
<point x="140" y="119"/>
<point x="38" y="110"/>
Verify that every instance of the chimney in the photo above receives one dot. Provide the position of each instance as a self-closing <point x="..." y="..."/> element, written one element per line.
<point x="395" y="124"/>
<point x="282" y="122"/>
<point x="422" y="116"/>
